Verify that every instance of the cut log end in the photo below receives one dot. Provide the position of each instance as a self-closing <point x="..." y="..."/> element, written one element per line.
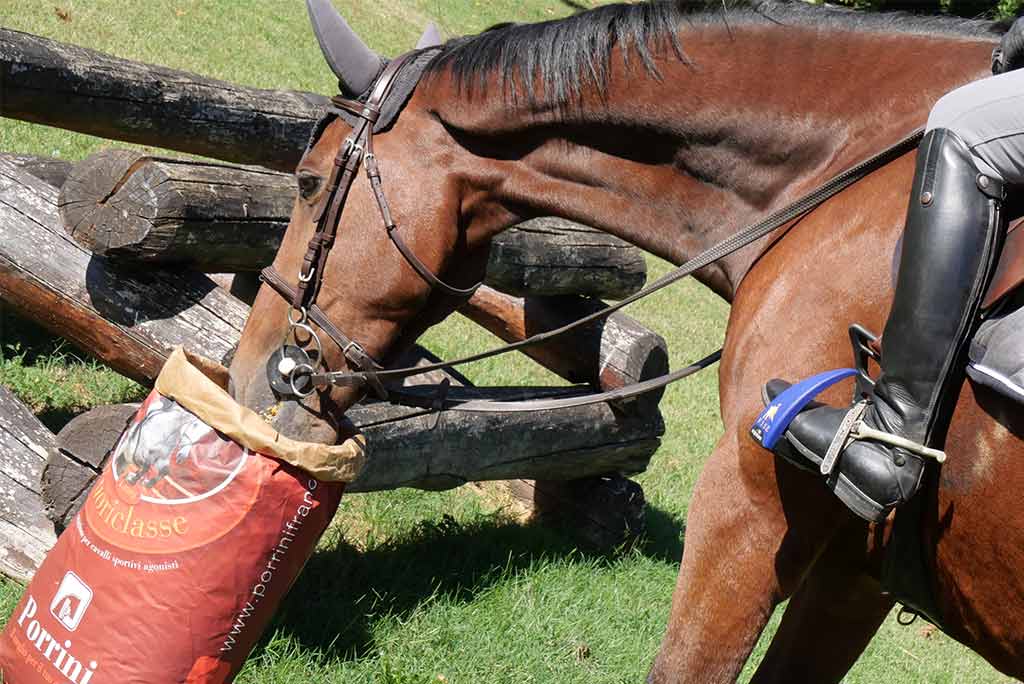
<point x="82" y="449"/>
<point x="91" y="209"/>
<point x="204" y="217"/>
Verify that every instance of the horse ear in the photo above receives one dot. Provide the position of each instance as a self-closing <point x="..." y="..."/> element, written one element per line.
<point x="431" y="37"/>
<point x="351" y="60"/>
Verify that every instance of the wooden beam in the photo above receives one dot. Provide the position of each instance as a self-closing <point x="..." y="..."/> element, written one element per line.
<point x="47" y="169"/>
<point x="192" y="215"/>
<point x="218" y="218"/>
<point x="51" y="83"/>
<point x="552" y="256"/>
<point x="414" y="448"/>
<point x="608" y="354"/>
<point x="421" y="449"/>
<point x="127" y="318"/>
<point x="26" y="535"/>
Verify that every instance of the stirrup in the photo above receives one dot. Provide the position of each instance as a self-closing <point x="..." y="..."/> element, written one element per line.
<point x="853" y="428"/>
<point x="773" y="422"/>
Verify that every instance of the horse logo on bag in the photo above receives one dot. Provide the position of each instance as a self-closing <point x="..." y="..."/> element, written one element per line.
<point x="171" y="454"/>
<point x="172" y="483"/>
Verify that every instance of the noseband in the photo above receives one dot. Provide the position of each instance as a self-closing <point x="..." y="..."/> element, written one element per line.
<point x="292" y="372"/>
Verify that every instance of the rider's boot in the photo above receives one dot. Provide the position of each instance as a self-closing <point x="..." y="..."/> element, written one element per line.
<point x="950" y="244"/>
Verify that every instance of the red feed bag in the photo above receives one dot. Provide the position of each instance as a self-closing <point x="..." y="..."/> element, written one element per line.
<point x="182" y="551"/>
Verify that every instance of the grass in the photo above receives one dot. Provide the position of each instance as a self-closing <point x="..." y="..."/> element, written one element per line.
<point x="411" y="587"/>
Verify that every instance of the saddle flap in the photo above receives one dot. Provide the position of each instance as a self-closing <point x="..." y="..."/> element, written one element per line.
<point x="1010" y="271"/>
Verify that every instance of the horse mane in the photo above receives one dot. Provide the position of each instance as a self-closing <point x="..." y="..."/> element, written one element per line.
<point x="560" y="58"/>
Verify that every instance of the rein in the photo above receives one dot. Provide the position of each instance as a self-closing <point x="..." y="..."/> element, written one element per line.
<point x="292" y="371"/>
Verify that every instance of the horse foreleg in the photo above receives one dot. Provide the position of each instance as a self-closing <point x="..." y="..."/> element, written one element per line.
<point x="754" y="529"/>
<point x="830" y="619"/>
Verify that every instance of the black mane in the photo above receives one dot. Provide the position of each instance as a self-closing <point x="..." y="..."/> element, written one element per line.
<point x="563" y="56"/>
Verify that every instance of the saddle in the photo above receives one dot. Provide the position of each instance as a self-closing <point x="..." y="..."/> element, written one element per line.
<point x="996" y="355"/>
<point x="1010" y="271"/>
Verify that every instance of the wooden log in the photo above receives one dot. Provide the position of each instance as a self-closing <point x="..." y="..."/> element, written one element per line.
<point x="82" y="448"/>
<point x="603" y="511"/>
<point x="83" y="90"/>
<point x="46" y="169"/>
<point x="422" y="449"/>
<point x="425" y="450"/>
<point x="128" y="319"/>
<point x="609" y="354"/>
<point x="25" y="532"/>
<point x="552" y="256"/>
<point x="198" y="216"/>
<point x="217" y="218"/>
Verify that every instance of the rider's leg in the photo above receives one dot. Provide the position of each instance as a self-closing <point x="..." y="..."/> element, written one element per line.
<point x="973" y="148"/>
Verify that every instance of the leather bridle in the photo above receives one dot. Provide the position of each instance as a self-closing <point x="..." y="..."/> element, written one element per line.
<point x="355" y="151"/>
<point x="291" y="371"/>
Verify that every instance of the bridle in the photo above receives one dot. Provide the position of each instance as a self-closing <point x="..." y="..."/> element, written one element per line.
<point x="292" y="372"/>
<point x="356" y="150"/>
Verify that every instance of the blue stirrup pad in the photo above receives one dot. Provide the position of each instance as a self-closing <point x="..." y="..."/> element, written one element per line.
<point x="773" y="422"/>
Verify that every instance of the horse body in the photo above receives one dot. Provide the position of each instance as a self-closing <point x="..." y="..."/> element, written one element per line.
<point x="755" y="114"/>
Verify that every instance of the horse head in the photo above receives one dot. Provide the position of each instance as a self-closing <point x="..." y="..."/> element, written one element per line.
<point x="365" y="286"/>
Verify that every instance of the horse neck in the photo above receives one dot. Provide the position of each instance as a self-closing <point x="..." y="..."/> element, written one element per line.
<point x="755" y="117"/>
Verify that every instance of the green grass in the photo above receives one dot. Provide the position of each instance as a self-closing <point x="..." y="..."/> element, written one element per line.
<point x="411" y="587"/>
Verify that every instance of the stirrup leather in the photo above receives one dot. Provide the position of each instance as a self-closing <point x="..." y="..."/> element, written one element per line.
<point x="853" y="428"/>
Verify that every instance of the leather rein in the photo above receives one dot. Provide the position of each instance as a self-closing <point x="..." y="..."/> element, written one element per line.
<point x="292" y="371"/>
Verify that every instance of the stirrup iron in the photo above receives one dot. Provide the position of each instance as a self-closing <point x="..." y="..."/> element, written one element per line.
<point x="853" y="428"/>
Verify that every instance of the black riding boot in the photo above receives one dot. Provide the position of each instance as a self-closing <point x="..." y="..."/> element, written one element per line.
<point x="950" y="243"/>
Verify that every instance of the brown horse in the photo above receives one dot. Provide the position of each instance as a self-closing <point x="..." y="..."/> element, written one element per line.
<point x="672" y="128"/>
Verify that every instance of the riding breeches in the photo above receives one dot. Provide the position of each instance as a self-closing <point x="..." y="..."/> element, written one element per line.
<point x="988" y="115"/>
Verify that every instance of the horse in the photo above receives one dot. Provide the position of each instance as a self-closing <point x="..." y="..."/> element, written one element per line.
<point x="671" y="126"/>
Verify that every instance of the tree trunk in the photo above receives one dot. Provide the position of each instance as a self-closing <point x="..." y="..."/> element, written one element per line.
<point x="47" y="169"/>
<point x="217" y="218"/>
<point x="128" y="206"/>
<point x="129" y="319"/>
<point x="82" y="90"/>
<point x="553" y="256"/>
<point x="25" y="532"/>
<point x="609" y="354"/>
<point x="413" y="448"/>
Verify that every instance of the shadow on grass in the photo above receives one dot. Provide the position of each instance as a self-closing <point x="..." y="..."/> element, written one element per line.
<point x="343" y="591"/>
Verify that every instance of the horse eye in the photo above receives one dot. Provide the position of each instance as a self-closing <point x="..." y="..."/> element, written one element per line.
<point x="309" y="183"/>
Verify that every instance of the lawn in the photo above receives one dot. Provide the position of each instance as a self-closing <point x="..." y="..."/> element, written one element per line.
<point x="407" y="586"/>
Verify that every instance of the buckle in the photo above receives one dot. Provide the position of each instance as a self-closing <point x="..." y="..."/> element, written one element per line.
<point x="862" y="341"/>
<point x="358" y="357"/>
<point x="349" y="147"/>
